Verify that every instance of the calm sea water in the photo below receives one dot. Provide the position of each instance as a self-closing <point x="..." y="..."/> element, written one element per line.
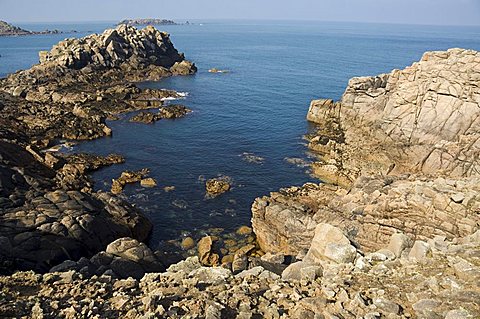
<point x="259" y="107"/>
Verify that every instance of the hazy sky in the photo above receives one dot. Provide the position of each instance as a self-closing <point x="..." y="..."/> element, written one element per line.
<point x="448" y="12"/>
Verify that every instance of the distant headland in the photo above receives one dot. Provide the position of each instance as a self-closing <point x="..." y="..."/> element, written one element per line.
<point x="7" y="29"/>
<point x="149" y="21"/>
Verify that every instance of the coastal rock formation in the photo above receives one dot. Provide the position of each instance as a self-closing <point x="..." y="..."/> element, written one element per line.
<point x="398" y="153"/>
<point x="123" y="258"/>
<point x="124" y="47"/>
<point x="7" y="29"/>
<point x="370" y="212"/>
<point x="128" y="177"/>
<point x="49" y="211"/>
<point x="423" y="119"/>
<point x="42" y="225"/>
<point x="440" y="284"/>
<point x="148" y="21"/>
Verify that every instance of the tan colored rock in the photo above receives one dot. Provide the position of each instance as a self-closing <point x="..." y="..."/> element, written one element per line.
<point x="418" y="119"/>
<point x="188" y="243"/>
<point x="205" y="254"/>
<point x="148" y="182"/>
<point x="218" y="186"/>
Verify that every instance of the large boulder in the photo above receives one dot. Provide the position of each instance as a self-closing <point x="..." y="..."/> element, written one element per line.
<point x="123" y="258"/>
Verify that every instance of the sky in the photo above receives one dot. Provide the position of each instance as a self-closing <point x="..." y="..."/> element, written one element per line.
<point x="436" y="12"/>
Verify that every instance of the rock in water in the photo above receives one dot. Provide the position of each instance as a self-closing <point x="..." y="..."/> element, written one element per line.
<point x="218" y="186"/>
<point x="148" y="182"/>
<point x="129" y="177"/>
<point x="205" y="254"/>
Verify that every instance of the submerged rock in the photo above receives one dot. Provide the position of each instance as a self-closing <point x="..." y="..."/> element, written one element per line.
<point x="215" y="70"/>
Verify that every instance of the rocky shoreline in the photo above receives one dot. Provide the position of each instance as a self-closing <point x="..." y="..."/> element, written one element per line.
<point x="393" y="234"/>
<point x="49" y="211"/>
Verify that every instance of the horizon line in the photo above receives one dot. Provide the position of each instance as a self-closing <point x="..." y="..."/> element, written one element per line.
<point x="250" y="19"/>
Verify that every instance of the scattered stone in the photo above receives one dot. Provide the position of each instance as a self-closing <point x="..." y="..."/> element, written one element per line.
<point x="398" y="243"/>
<point x="205" y="254"/>
<point x="244" y="230"/>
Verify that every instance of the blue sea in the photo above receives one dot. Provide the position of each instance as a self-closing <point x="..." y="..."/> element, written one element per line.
<point x="259" y="107"/>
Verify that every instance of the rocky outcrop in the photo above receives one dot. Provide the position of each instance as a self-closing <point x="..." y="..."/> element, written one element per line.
<point x="371" y="211"/>
<point x="172" y="111"/>
<point x="42" y="225"/>
<point x="124" y="47"/>
<point x="423" y="119"/>
<point x="127" y="177"/>
<point x="398" y="153"/>
<point x="8" y="29"/>
<point x="49" y="211"/>
<point x="123" y="258"/>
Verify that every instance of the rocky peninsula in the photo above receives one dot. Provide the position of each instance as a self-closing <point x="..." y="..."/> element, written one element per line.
<point x="394" y="233"/>
<point x="7" y="29"/>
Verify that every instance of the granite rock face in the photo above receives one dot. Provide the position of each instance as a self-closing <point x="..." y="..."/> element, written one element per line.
<point x="370" y="212"/>
<point x="423" y="119"/>
<point x="123" y="47"/>
<point x="398" y="153"/>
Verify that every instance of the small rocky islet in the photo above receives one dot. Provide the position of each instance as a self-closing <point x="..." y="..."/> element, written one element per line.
<point x="394" y="233"/>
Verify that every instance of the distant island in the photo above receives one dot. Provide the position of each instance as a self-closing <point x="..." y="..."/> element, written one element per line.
<point x="136" y="22"/>
<point x="7" y="29"/>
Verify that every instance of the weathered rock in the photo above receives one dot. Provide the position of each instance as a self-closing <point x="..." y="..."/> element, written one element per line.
<point x="218" y="186"/>
<point x="370" y="212"/>
<point x="205" y="254"/>
<point x="395" y="123"/>
<point x="173" y="111"/>
<point x="302" y="271"/>
<point x="398" y="243"/>
<point x="420" y="250"/>
<point x="148" y="182"/>
<point x="128" y="177"/>
<point x="406" y="290"/>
